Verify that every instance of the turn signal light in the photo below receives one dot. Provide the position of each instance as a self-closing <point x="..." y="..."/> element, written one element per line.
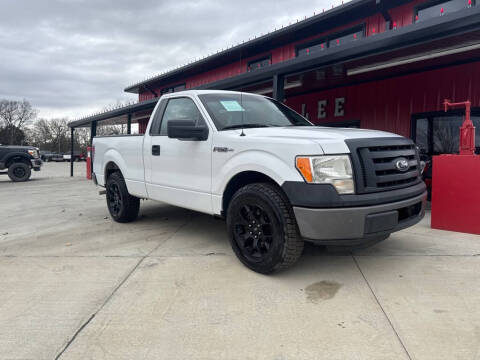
<point x="303" y="165"/>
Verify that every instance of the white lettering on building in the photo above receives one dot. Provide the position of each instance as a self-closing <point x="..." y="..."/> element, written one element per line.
<point x="322" y="111"/>
<point x="339" y="108"/>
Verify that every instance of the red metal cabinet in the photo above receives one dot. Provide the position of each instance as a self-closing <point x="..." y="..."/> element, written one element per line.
<point x="456" y="194"/>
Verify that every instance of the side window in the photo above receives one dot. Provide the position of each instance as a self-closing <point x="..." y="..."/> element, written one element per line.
<point x="155" y="128"/>
<point x="180" y="109"/>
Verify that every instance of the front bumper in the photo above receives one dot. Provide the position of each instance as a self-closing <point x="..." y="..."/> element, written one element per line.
<point x="36" y="164"/>
<point x="338" y="226"/>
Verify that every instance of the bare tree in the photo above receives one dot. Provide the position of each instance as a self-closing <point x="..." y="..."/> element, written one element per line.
<point x="59" y="133"/>
<point x="112" y="129"/>
<point x="14" y="116"/>
<point x="54" y="135"/>
<point x="40" y="134"/>
<point x="82" y="139"/>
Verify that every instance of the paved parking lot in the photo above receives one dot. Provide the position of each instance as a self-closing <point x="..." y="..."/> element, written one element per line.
<point x="75" y="285"/>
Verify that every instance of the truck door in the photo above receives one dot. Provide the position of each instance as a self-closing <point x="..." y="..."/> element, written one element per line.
<point x="178" y="171"/>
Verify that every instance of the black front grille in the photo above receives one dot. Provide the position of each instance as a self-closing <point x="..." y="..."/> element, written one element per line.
<point x="374" y="161"/>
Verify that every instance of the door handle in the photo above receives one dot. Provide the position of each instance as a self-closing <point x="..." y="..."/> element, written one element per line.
<point x="156" y="150"/>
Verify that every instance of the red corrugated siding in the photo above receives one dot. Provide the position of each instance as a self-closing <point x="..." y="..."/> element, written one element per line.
<point x="388" y="104"/>
<point x="402" y="15"/>
<point x="142" y="126"/>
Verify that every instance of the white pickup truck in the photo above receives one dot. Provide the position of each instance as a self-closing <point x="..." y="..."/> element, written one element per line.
<point x="276" y="179"/>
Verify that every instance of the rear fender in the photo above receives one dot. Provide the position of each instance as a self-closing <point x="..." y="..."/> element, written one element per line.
<point x="112" y="156"/>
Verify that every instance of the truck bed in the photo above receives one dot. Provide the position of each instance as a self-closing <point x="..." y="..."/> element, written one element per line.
<point x="124" y="150"/>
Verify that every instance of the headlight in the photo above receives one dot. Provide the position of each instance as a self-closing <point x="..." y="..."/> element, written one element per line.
<point x="328" y="169"/>
<point x="34" y="153"/>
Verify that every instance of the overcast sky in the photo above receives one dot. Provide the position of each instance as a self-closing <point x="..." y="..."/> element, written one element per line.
<point x="73" y="57"/>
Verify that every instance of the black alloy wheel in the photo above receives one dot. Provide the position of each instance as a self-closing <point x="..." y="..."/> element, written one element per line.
<point x="253" y="231"/>
<point x="114" y="198"/>
<point x="122" y="206"/>
<point x="262" y="227"/>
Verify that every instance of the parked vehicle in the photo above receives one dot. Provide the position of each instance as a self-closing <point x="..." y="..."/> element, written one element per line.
<point x="46" y="155"/>
<point x="77" y="156"/>
<point x="18" y="161"/>
<point x="53" y="157"/>
<point x="276" y="179"/>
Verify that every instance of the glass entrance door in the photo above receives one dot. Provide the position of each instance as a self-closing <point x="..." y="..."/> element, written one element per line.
<point x="439" y="133"/>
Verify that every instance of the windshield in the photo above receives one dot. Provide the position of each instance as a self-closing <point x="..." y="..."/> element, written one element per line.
<point x="234" y="111"/>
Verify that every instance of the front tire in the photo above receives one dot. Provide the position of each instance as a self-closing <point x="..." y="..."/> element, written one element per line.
<point x="122" y="206"/>
<point x="262" y="228"/>
<point x="19" y="172"/>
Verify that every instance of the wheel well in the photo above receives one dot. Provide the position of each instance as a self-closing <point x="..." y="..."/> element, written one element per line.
<point x="110" y="169"/>
<point x="239" y="181"/>
<point x="16" y="159"/>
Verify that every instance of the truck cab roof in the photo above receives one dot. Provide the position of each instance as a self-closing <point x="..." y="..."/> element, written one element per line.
<point x="205" y="92"/>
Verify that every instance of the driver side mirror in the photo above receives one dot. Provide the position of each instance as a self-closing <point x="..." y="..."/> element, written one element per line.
<point x="186" y="130"/>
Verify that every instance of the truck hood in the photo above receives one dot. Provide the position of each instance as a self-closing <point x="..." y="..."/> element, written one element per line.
<point x="331" y="140"/>
<point x="17" y="147"/>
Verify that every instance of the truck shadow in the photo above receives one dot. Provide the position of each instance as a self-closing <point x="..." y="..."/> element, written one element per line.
<point x="208" y="231"/>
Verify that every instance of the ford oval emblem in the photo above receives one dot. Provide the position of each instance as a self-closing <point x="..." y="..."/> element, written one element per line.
<point x="402" y="164"/>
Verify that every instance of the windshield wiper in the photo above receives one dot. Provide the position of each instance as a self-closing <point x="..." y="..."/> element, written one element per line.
<point x="239" y="126"/>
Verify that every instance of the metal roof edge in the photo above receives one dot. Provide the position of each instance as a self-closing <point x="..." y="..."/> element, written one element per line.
<point x="278" y="32"/>
<point x="144" y="105"/>
<point x="457" y="22"/>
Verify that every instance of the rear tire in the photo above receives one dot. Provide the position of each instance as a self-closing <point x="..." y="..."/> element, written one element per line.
<point x="122" y="206"/>
<point x="262" y="228"/>
<point x="19" y="172"/>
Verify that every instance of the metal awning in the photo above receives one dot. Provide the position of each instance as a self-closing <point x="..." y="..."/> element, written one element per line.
<point x="116" y="114"/>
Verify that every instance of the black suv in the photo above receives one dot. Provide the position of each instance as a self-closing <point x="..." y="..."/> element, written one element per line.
<point x="19" y="161"/>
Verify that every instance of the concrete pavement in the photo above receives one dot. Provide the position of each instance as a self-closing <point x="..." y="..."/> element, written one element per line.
<point x="75" y="285"/>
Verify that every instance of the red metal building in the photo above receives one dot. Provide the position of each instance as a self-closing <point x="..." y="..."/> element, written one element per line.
<point x="377" y="64"/>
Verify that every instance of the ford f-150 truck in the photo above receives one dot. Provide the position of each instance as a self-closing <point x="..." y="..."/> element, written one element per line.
<point x="19" y="161"/>
<point x="277" y="179"/>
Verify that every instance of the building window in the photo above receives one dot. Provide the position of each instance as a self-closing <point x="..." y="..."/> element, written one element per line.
<point x="258" y="64"/>
<point x="173" y="89"/>
<point x="438" y="133"/>
<point x="312" y="47"/>
<point x="346" y="37"/>
<point x="179" y="88"/>
<point x="333" y="40"/>
<point x="439" y="8"/>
